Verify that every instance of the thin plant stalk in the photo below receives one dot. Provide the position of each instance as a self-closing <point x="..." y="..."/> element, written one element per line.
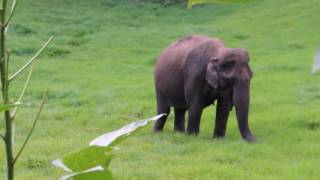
<point x="14" y="112"/>
<point x="13" y="8"/>
<point x="5" y="92"/>
<point x="31" y="60"/>
<point x="7" y="137"/>
<point x="44" y="99"/>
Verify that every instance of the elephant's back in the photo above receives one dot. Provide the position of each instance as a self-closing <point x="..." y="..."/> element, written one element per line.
<point x="177" y="52"/>
<point x="171" y="60"/>
<point x="169" y="65"/>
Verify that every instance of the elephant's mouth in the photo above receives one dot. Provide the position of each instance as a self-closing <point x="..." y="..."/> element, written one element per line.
<point x="222" y="90"/>
<point x="224" y="84"/>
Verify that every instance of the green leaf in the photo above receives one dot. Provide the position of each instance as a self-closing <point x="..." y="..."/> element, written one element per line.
<point x="194" y="2"/>
<point x="92" y="162"/>
<point x="114" y="137"/>
<point x="88" y="157"/>
<point x="88" y="162"/>
<point x="96" y="175"/>
<point x="4" y="107"/>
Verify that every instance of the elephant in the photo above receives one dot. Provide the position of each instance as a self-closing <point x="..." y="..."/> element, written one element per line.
<point x="193" y="73"/>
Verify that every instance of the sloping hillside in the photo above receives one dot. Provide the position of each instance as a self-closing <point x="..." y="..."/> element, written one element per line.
<point x="99" y="71"/>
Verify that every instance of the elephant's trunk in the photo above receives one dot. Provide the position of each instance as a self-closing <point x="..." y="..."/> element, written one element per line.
<point x="241" y="101"/>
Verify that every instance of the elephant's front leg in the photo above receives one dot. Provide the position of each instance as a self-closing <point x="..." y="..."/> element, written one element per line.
<point x="194" y="115"/>
<point x="222" y="115"/>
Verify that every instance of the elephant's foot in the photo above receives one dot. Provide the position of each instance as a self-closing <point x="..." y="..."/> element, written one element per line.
<point x="179" y="129"/>
<point x="218" y="133"/>
<point x="192" y="132"/>
<point x="249" y="138"/>
<point x="218" y="136"/>
<point x="157" y="130"/>
<point x="158" y="127"/>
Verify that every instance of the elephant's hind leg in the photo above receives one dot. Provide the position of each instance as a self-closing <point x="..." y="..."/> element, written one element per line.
<point x="162" y="107"/>
<point x="179" y="121"/>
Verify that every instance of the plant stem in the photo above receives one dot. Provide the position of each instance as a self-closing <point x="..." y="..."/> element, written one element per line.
<point x="44" y="99"/>
<point x="14" y="5"/>
<point x="14" y="112"/>
<point x="5" y="94"/>
<point x="31" y="60"/>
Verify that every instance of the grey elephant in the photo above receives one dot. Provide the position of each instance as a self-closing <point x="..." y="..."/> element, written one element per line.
<point x="193" y="73"/>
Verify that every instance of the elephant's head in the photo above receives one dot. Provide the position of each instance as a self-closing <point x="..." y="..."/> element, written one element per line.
<point x="229" y="67"/>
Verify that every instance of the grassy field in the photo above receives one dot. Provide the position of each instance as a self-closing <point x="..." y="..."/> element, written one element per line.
<point x="99" y="74"/>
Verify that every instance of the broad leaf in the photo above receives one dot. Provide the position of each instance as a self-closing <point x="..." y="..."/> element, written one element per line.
<point x="61" y="165"/>
<point x="87" y="158"/>
<point x="194" y="2"/>
<point x="92" y="162"/>
<point x="95" y="173"/>
<point x="4" y="107"/>
<point x="88" y="162"/>
<point x="114" y="137"/>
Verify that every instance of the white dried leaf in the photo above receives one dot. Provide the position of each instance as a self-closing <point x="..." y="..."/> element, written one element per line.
<point x="107" y="138"/>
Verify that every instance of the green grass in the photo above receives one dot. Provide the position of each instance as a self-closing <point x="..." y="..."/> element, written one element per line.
<point x="98" y="72"/>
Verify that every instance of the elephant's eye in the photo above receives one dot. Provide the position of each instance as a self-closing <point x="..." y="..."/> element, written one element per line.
<point x="227" y="66"/>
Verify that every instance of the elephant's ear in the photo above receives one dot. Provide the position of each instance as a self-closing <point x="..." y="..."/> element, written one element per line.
<point x="212" y="72"/>
<point x="227" y="67"/>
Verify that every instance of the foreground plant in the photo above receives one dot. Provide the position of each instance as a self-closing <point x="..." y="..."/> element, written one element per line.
<point x="6" y="80"/>
<point x="92" y="162"/>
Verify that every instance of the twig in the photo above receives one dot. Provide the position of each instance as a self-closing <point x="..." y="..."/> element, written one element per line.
<point x="31" y="60"/>
<point x="14" y="112"/>
<point x="2" y="136"/>
<point x="13" y="9"/>
<point x="44" y="98"/>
